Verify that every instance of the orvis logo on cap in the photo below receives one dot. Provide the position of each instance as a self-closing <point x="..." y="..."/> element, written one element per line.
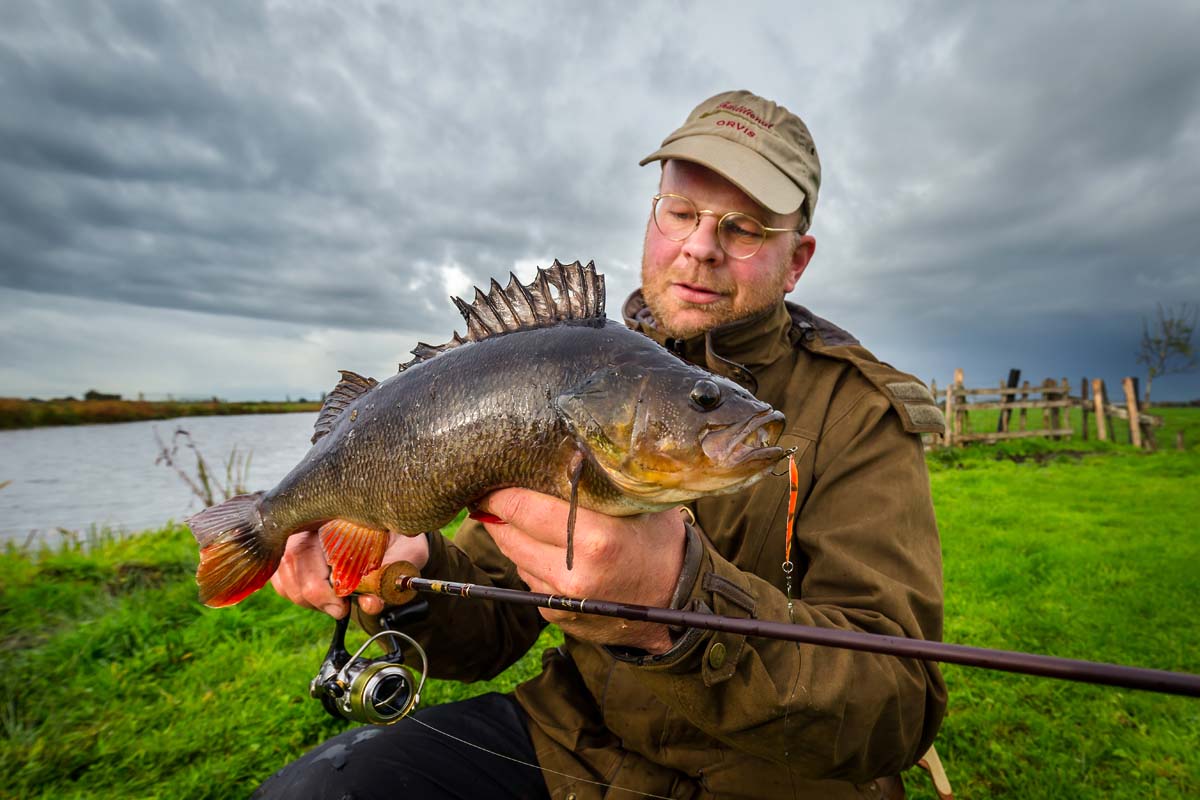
<point x="734" y="110"/>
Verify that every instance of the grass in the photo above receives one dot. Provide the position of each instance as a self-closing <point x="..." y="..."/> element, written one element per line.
<point x="115" y="682"/>
<point x="1086" y="558"/>
<point x="18" y="413"/>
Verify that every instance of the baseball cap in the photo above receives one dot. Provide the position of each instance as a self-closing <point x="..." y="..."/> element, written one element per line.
<point x="760" y="147"/>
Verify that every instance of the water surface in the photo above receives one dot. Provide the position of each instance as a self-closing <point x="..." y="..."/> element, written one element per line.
<point x="75" y="477"/>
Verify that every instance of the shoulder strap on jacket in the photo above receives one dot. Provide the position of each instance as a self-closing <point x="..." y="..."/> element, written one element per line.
<point x="917" y="408"/>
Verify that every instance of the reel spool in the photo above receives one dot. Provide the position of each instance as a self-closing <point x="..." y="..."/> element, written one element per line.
<point x="378" y="691"/>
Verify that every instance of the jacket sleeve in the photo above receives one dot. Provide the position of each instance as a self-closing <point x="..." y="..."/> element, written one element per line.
<point x="477" y="639"/>
<point x="868" y="533"/>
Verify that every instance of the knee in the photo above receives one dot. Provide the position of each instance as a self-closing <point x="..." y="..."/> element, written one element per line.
<point x="355" y="765"/>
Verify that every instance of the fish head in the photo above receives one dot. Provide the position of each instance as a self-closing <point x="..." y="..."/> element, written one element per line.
<point x="671" y="432"/>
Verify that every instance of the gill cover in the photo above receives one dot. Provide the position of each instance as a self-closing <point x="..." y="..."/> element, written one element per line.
<point x="601" y="411"/>
<point x="670" y="431"/>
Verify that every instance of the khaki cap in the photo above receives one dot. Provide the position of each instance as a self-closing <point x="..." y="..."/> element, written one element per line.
<point x="762" y="148"/>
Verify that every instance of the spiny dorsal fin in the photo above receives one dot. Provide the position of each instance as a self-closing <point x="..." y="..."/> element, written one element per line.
<point x="424" y="352"/>
<point x="351" y="387"/>
<point x="559" y="293"/>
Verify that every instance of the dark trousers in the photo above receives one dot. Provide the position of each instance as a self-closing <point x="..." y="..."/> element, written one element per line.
<point x="409" y="760"/>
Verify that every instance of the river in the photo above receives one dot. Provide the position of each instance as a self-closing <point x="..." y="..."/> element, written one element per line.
<point x="74" y="477"/>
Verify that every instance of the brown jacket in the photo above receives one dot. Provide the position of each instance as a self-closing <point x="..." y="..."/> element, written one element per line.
<point x="726" y="715"/>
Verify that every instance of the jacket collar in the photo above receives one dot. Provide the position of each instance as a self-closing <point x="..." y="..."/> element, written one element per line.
<point x="736" y="350"/>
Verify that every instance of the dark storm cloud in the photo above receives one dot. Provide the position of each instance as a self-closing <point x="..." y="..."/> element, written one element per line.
<point x="987" y="169"/>
<point x="1016" y="187"/>
<point x="140" y="161"/>
<point x="1051" y="153"/>
<point x="306" y="163"/>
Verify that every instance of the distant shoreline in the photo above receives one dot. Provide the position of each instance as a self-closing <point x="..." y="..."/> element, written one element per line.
<point x="16" y="413"/>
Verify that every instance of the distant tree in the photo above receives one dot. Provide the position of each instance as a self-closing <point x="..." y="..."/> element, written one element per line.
<point x="1166" y="347"/>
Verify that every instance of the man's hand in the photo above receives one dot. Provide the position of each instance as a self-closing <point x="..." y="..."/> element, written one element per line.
<point x="303" y="574"/>
<point x="620" y="559"/>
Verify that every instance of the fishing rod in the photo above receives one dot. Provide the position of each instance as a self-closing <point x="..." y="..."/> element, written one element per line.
<point x="399" y="583"/>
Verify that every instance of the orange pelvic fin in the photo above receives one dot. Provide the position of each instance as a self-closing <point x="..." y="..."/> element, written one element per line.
<point x="236" y="558"/>
<point x="352" y="551"/>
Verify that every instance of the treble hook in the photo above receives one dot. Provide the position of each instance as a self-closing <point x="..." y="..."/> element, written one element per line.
<point x="786" y="454"/>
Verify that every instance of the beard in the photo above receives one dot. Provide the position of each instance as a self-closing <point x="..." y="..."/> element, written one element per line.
<point x="681" y="319"/>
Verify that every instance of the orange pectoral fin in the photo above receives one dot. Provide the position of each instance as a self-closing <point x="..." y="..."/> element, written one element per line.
<point x="352" y="551"/>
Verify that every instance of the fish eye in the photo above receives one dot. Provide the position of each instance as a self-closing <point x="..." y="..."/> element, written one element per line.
<point x="706" y="395"/>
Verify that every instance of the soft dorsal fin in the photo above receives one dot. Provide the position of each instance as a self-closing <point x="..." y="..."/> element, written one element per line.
<point x="351" y="387"/>
<point x="559" y="293"/>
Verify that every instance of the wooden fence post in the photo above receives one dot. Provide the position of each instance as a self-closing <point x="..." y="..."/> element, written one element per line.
<point x="1179" y="440"/>
<point x="950" y="438"/>
<point x="1014" y="376"/>
<point x="1147" y="428"/>
<point x="1083" y="407"/>
<point x="1049" y="415"/>
<point x="1108" y="417"/>
<point x="1022" y="418"/>
<point x="1098" y="399"/>
<point x="961" y="420"/>
<point x="1131" y="405"/>
<point x="1148" y="437"/>
<point x="1002" y="419"/>
<point x="1065" y="395"/>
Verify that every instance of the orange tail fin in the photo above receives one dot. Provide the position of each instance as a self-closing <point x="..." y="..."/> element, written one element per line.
<point x="352" y="551"/>
<point x="236" y="559"/>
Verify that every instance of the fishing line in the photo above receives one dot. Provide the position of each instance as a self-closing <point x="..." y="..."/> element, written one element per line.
<point x="538" y="766"/>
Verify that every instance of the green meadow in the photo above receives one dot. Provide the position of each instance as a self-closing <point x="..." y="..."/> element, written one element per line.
<point x="116" y="682"/>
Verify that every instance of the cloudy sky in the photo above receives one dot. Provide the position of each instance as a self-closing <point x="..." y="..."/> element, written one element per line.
<point x="238" y="199"/>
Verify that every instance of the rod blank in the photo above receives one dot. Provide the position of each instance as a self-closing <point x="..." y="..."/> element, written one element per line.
<point x="1153" y="680"/>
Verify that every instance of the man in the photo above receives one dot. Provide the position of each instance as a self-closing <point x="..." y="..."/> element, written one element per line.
<point x="688" y="713"/>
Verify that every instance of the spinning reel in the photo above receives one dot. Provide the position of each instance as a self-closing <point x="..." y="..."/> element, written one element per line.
<point x="377" y="691"/>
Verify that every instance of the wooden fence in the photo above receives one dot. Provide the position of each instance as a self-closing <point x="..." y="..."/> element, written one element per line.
<point x="1050" y="403"/>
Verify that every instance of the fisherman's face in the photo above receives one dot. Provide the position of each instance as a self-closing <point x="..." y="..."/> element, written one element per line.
<point x="693" y="285"/>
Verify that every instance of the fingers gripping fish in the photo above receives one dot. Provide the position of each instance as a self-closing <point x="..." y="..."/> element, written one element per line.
<point x="544" y="392"/>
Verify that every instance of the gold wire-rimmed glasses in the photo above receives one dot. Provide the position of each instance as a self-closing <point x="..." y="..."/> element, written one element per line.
<point x="740" y="235"/>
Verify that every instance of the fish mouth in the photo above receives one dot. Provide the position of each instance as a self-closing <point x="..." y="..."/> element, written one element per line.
<point x="735" y="456"/>
<point x="753" y="441"/>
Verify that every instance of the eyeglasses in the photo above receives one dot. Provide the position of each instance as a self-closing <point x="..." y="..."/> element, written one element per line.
<point x="740" y="235"/>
